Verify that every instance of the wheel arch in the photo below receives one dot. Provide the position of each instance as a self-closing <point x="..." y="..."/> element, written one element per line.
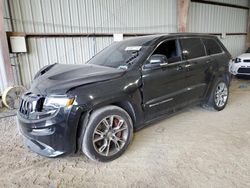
<point x="84" y="119"/>
<point x="128" y="107"/>
<point x="226" y="77"/>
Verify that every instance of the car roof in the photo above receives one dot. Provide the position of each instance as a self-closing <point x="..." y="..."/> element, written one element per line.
<point x="156" y="37"/>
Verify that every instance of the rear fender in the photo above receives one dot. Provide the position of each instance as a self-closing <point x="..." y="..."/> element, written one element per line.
<point x="214" y="79"/>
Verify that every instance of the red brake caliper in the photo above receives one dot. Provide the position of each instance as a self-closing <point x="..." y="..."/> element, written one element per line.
<point x="115" y="123"/>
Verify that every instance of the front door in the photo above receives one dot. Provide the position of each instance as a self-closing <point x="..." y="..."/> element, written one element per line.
<point x="164" y="88"/>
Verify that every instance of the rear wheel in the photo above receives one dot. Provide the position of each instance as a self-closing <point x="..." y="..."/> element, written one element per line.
<point x="219" y="95"/>
<point x="107" y="134"/>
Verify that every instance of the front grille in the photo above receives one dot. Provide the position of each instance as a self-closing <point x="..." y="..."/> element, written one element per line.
<point x="244" y="70"/>
<point x="25" y="107"/>
<point x="31" y="103"/>
<point x="246" y="60"/>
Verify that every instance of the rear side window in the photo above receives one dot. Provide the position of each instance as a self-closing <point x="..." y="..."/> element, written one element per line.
<point x="192" y="48"/>
<point x="212" y="46"/>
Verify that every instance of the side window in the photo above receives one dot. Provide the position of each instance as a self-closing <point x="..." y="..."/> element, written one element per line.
<point x="170" y="49"/>
<point x="212" y="46"/>
<point x="192" y="48"/>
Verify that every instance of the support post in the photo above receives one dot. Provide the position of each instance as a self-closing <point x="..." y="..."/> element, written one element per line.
<point x="182" y="15"/>
<point x="248" y="29"/>
<point x="5" y="65"/>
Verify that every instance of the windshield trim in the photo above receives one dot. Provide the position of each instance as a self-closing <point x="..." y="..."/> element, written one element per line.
<point x="130" y="54"/>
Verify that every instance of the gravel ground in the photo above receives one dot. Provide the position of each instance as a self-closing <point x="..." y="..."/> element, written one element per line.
<point x="4" y="112"/>
<point x="195" y="148"/>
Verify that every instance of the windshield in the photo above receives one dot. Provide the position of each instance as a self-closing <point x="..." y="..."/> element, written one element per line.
<point x="121" y="54"/>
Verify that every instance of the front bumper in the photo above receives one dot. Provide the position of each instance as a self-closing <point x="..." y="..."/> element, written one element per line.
<point x="239" y="68"/>
<point x="52" y="136"/>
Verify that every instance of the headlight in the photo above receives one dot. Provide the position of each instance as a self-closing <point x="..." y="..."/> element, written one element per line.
<point x="57" y="101"/>
<point x="237" y="60"/>
<point x="50" y="106"/>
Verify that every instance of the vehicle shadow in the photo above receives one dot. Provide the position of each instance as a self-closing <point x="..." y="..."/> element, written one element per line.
<point x="243" y="77"/>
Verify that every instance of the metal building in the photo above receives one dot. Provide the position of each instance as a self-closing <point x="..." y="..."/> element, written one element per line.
<point x="73" y="31"/>
<point x="219" y="19"/>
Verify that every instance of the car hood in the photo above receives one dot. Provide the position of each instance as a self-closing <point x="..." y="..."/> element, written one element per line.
<point x="245" y="55"/>
<point x="59" y="78"/>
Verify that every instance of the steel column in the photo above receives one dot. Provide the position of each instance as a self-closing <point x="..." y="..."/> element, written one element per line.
<point x="248" y="29"/>
<point x="5" y="65"/>
<point x="182" y="15"/>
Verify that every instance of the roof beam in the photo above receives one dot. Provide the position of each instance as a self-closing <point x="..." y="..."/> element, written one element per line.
<point x="220" y="4"/>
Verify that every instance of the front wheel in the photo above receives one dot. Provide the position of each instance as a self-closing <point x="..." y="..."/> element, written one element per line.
<point x="219" y="96"/>
<point x="108" y="134"/>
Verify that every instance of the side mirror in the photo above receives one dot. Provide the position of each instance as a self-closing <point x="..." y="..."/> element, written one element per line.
<point x="156" y="61"/>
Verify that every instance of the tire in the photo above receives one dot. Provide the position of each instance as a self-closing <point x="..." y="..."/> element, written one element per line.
<point x="102" y="140"/>
<point x="219" y="95"/>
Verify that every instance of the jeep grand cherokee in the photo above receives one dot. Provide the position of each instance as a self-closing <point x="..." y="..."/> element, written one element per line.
<point x="95" y="107"/>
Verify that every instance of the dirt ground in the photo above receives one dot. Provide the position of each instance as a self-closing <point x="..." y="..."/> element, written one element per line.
<point x="196" y="148"/>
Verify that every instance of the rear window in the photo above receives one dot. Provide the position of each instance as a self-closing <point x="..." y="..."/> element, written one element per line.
<point x="192" y="48"/>
<point x="212" y="46"/>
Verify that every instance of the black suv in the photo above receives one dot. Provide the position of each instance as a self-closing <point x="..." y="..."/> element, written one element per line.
<point x="97" y="106"/>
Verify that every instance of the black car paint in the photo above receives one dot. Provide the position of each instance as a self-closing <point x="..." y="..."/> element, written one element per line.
<point x="60" y="77"/>
<point x="138" y="90"/>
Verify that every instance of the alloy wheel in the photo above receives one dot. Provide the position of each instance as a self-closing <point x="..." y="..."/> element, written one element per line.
<point x="221" y="94"/>
<point x="110" y="135"/>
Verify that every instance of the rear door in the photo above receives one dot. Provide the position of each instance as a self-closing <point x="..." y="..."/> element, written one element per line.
<point x="193" y="51"/>
<point x="214" y="51"/>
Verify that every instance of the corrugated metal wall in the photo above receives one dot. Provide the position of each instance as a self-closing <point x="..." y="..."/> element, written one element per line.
<point x="70" y="50"/>
<point x="74" y="16"/>
<point x="235" y="44"/>
<point x="220" y="19"/>
<point x="113" y="16"/>
<point x="109" y="16"/>
<point x="216" y="19"/>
